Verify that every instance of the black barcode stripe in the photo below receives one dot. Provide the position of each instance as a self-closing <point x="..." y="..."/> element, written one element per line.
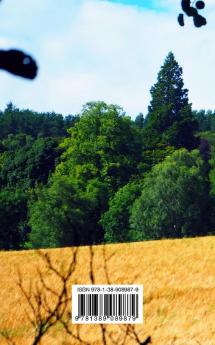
<point x="137" y="301"/>
<point x="108" y="305"/>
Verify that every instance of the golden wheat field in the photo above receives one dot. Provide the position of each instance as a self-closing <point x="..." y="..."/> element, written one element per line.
<point x="179" y="289"/>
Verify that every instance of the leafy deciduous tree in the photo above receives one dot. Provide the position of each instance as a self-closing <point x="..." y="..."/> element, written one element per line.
<point x="101" y="155"/>
<point x="174" y="200"/>
<point x="115" y="221"/>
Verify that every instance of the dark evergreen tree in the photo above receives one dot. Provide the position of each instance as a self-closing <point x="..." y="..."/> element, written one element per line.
<point x="170" y="120"/>
<point x="139" y="120"/>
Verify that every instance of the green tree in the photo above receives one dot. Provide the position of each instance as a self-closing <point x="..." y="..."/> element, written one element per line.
<point x="104" y="144"/>
<point x="174" y="200"/>
<point x="13" y="214"/>
<point x="153" y="156"/>
<point x="58" y="215"/>
<point x="25" y="161"/>
<point x="206" y="120"/>
<point x="170" y="120"/>
<point x="100" y="155"/>
<point x="212" y="187"/>
<point x="115" y="221"/>
<point x="139" y="120"/>
<point x="16" y="121"/>
<point x="63" y="214"/>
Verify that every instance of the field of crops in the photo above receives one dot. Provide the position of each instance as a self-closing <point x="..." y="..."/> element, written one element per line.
<point x="179" y="290"/>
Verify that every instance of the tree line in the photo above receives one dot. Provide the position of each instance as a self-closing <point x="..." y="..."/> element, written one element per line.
<point x="101" y="177"/>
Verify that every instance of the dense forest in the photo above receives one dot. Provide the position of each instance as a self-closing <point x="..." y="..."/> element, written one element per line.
<point x="101" y="177"/>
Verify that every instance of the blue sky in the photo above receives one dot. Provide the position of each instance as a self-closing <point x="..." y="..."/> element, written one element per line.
<point x="148" y="4"/>
<point x="140" y="3"/>
<point x="103" y="50"/>
<point x="131" y="2"/>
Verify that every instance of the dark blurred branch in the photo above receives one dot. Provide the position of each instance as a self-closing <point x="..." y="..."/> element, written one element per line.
<point x="43" y="316"/>
<point x="18" y="63"/>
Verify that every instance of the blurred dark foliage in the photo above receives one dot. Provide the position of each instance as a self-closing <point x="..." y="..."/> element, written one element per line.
<point x="18" y="63"/>
<point x="191" y="11"/>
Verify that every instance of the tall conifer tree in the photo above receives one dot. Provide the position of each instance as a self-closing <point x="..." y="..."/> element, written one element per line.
<point x="170" y="120"/>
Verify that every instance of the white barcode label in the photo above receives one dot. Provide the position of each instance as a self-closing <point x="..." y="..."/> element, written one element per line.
<point x="107" y="304"/>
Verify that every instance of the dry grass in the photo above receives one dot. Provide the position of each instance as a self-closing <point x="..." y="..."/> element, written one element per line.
<point x="179" y="288"/>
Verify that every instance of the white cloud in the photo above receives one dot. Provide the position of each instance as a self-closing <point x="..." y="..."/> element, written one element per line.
<point x="113" y="52"/>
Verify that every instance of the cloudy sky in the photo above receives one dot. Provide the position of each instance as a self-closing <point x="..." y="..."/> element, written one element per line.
<point x="109" y="50"/>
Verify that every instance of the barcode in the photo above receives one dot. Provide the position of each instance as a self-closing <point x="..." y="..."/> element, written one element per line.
<point x="107" y="303"/>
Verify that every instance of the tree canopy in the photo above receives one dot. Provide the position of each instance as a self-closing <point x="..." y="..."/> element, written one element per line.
<point x="100" y="155"/>
<point x="115" y="220"/>
<point x="170" y="120"/>
<point x="101" y="177"/>
<point x="174" y="200"/>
